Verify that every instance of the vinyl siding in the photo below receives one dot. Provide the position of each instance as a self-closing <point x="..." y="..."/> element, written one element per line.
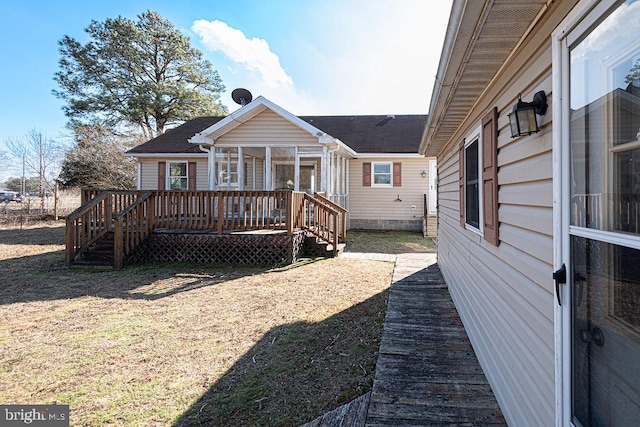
<point x="267" y="128"/>
<point x="504" y="293"/>
<point x="149" y="172"/>
<point x="371" y="203"/>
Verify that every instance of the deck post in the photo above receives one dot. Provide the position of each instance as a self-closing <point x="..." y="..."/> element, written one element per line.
<point x="336" y="238"/>
<point x="108" y="211"/>
<point x="118" y="245"/>
<point x="69" y="242"/>
<point x="150" y="213"/>
<point x="220" y="211"/>
<point x="289" y="212"/>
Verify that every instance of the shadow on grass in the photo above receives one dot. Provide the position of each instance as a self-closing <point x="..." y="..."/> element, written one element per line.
<point x="297" y="372"/>
<point x="44" y="277"/>
<point x="43" y="236"/>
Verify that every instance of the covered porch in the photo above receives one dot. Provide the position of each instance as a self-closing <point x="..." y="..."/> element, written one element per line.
<point x="309" y="169"/>
<point x="263" y="147"/>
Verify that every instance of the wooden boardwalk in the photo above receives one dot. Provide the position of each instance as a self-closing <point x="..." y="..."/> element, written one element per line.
<point x="353" y="414"/>
<point x="427" y="372"/>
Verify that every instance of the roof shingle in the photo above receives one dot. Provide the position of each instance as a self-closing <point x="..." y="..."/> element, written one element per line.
<point x="364" y="134"/>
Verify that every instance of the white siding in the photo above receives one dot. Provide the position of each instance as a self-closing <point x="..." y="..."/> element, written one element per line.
<point x="504" y="294"/>
<point x="267" y="128"/>
<point x="372" y="203"/>
<point x="149" y="172"/>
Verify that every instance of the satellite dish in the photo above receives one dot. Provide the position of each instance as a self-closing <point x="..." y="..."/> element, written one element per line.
<point x="241" y="96"/>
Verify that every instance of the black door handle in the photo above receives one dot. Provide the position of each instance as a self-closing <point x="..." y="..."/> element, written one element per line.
<point x="560" y="277"/>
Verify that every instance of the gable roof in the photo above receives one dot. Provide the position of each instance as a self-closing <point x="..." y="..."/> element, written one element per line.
<point x="363" y="134"/>
<point x="480" y="37"/>
<point x="175" y="140"/>
<point x="246" y="113"/>
<point x="374" y="134"/>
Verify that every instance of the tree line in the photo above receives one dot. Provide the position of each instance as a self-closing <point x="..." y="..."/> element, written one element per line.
<point x="131" y="80"/>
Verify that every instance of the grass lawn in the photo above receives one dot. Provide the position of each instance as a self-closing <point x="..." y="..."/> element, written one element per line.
<point x="185" y="344"/>
<point x="388" y="242"/>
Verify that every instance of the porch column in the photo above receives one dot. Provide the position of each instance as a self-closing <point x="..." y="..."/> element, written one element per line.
<point x="334" y="170"/>
<point x="343" y="183"/>
<point x="253" y="172"/>
<point x="212" y="168"/>
<point x="296" y="170"/>
<point x="346" y="181"/>
<point x="267" y="168"/>
<point x="240" y="169"/>
<point x="323" y="170"/>
<point x="228" y="171"/>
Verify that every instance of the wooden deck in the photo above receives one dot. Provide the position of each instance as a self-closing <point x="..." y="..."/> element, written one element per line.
<point x="427" y="372"/>
<point x="111" y="226"/>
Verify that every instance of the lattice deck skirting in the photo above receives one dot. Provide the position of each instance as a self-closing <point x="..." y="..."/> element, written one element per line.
<point x="241" y="248"/>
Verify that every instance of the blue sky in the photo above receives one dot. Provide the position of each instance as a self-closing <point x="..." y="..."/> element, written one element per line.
<point x="308" y="56"/>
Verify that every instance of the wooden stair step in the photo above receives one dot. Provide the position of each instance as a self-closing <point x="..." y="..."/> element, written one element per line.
<point x="97" y="264"/>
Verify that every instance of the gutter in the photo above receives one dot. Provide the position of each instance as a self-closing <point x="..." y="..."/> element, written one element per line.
<point x="442" y="89"/>
<point x="453" y="29"/>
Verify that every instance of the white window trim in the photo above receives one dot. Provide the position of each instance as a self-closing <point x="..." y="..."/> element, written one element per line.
<point x="476" y="135"/>
<point x="169" y="176"/>
<point x="373" y="168"/>
<point x="227" y="161"/>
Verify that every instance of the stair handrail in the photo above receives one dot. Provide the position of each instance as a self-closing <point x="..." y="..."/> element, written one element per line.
<point x="86" y="225"/>
<point x="324" y="223"/>
<point x="327" y="201"/>
<point x="342" y="210"/>
<point x="132" y="226"/>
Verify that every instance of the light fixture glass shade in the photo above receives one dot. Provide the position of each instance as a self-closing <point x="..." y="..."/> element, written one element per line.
<point x="523" y="121"/>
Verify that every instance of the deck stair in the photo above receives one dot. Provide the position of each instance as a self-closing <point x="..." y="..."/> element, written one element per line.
<point x="316" y="246"/>
<point x="99" y="255"/>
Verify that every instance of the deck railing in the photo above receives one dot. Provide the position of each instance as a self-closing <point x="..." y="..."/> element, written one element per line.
<point x="340" y="218"/>
<point x="313" y="214"/>
<point x="87" y="224"/>
<point x="133" y="215"/>
<point x="131" y="227"/>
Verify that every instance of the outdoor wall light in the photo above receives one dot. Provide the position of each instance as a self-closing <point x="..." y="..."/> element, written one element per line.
<point x="523" y="117"/>
<point x="424" y="174"/>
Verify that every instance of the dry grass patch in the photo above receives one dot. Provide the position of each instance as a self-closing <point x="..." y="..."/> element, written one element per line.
<point x="388" y="242"/>
<point x="185" y="344"/>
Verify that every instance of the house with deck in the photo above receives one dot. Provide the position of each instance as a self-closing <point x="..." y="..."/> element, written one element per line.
<point x="535" y="123"/>
<point x="263" y="168"/>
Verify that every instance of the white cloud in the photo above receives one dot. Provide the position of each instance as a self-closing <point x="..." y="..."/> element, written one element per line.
<point x="357" y="57"/>
<point x="254" y="53"/>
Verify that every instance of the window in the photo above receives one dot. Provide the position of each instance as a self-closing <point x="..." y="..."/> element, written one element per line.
<point x="472" y="183"/>
<point x="228" y="173"/>
<point x="178" y="179"/>
<point x="381" y="175"/>
<point x="479" y="179"/>
<point x="176" y="175"/>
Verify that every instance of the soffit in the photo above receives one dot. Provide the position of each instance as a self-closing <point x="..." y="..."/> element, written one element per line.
<point x="487" y="36"/>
